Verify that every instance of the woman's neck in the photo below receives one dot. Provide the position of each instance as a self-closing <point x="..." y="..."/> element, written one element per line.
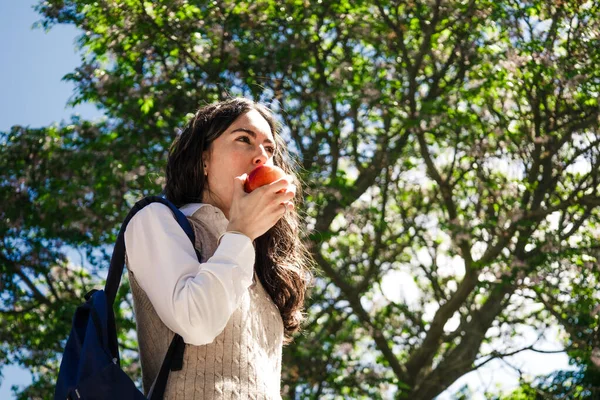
<point x="208" y="199"/>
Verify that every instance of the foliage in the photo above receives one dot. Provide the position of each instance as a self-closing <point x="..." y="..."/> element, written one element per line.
<point x="451" y="154"/>
<point x="580" y="384"/>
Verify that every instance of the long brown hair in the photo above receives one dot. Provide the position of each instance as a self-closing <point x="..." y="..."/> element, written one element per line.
<point x="282" y="259"/>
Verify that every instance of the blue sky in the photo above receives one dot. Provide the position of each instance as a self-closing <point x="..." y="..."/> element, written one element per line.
<point x="32" y="64"/>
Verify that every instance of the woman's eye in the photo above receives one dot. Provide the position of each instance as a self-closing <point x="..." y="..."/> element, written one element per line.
<point x="246" y="139"/>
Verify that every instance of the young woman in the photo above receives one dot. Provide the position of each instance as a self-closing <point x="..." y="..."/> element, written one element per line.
<point x="237" y="307"/>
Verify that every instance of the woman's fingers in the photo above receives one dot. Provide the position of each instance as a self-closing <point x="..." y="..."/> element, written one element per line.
<point x="258" y="211"/>
<point x="283" y="184"/>
<point x="283" y="197"/>
<point x="292" y="188"/>
<point x="277" y="186"/>
<point x="287" y="206"/>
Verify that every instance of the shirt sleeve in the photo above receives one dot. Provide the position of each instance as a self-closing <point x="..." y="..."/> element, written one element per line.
<point x="192" y="299"/>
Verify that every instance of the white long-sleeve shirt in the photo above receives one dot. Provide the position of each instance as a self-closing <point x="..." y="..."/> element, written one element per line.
<point x="192" y="299"/>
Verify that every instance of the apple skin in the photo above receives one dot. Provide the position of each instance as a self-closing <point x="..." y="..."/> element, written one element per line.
<point x="262" y="175"/>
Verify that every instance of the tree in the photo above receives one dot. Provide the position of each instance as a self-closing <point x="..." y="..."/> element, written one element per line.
<point x="454" y="142"/>
<point x="580" y="384"/>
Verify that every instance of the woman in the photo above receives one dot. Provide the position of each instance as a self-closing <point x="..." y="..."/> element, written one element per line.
<point x="236" y="308"/>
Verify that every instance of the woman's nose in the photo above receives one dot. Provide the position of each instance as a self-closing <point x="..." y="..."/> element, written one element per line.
<point x="261" y="157"/>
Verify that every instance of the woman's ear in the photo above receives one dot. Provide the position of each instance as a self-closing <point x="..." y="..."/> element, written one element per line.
<point x="204" y="160"/>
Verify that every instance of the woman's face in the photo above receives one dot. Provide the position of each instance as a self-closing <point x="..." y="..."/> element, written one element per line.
<point x="247" y="143"/>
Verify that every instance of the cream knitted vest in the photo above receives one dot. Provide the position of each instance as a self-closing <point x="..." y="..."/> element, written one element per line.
<point x="243" y="362"/>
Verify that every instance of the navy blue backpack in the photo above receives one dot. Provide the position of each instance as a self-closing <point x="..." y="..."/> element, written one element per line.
<point x="90" y="367"/>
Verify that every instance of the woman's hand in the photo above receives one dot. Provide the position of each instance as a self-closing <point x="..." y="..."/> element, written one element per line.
<point x="255" y="213"/>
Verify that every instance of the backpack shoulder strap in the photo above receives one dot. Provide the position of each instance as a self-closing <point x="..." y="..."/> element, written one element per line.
<point x="174" y="359"/>
<point x="117" y="261"/>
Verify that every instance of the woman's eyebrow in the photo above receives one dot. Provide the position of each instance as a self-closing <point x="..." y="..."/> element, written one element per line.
<point x="253" y="134"/>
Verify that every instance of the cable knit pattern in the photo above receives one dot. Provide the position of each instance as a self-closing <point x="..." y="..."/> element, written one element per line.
<point x="242" y="362"/>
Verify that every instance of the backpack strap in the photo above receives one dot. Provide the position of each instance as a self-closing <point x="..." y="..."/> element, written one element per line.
<point x="174" y="358"/>
<point x="117" y="261"/>
<point x="157" y="391"/>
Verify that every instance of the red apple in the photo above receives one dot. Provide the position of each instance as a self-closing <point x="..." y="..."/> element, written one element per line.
<point x="262" y="175"/>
